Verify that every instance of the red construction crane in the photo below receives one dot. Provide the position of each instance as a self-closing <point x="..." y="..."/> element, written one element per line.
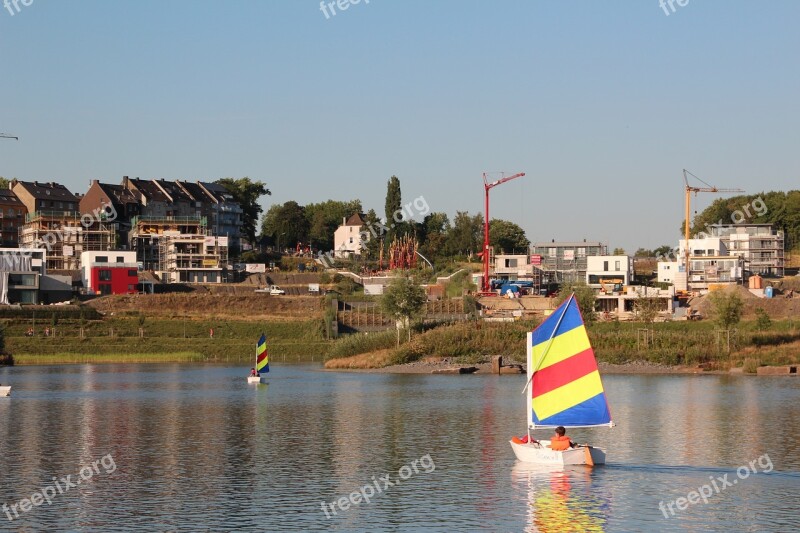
<point x="486" y="187"/>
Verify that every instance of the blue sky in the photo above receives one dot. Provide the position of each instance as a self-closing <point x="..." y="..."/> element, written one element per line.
<point x="601" y="103"/>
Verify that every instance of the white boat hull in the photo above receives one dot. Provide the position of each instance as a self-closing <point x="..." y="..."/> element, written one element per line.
<point x="540" y="453"/>
<point x="5" y="391"/>
<point x="255" y="379"/>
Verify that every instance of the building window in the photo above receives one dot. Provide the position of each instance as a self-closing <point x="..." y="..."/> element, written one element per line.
<point x="101" y="259"/>
<point x="616" y="265"/>
<point x="581" y="252"/>
<point x="120" y="259"/>
<point x="132" y="287"/>
<point x="551" y="252"/>
<point x="605" y="266"/>
<point x="132" y="273"/>
<point x="105" y="275"/>
<point x="104" y="288"/>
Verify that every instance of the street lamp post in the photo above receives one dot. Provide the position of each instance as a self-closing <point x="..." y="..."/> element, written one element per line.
<point x="279" y="241"/>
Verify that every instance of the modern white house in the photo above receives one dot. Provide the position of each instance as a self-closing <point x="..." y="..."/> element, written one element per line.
<point x="348" y="240"/>
<point x="760" y="245"/>
<point x="603" y="271"/>
<point x="710" y="263"/>
<point x="667" y="271"/>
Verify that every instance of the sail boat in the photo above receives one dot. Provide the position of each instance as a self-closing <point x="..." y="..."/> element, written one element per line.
<point x="262" y="360"/>
<point x="565" y="388"/>
<point x="5" y="391"/>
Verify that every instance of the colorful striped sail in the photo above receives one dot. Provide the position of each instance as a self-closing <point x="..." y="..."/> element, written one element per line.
<point x="566" y="389"/>
<point x="262" y="357"/>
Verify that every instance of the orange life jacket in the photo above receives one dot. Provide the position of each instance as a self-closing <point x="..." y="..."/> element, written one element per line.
<point x="559" y="443"/>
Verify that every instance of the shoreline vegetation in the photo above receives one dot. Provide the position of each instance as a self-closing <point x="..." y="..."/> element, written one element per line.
<point x="668" y="347"/>
<point x="176" y="328"/>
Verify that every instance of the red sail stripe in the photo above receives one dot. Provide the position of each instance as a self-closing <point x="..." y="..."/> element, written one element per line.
<point x="564" y="372"/>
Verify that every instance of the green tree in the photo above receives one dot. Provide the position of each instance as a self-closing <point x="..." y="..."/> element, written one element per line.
<point x="763" y="322"/>
<point x="325" y="217"/>
<point x="4" y="183"/>
<point x="618" y="251"/>
<point x="286" y="223"/>
<point x="727" y="308"/>
<point x="466" y="235"/>
<point x="585" y="297"/>
<point x="403" y="300"/>
<point x="507" y="237"/>
<point x="647" y="308"/>
<point x="643" y="252"/>
<point x="247" y="193"/>
<point x="374" y="227"/>
<point x="433" y="235"/>
<point x="665" y="251"/>
<point x="392" y="207"/>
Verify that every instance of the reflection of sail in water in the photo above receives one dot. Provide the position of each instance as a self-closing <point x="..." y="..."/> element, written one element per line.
<point x="560" y="500"/>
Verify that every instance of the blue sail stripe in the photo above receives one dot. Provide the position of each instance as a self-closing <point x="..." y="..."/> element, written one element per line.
<point x="592" y="412"/>
<point x="572" y="319"/>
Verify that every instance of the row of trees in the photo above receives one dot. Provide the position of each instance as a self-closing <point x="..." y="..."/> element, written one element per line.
<point x="438" y="237"/>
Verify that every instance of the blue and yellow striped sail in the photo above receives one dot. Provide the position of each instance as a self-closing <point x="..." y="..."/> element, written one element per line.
<point x="262" y="356"/>
<point x="566" y="389"/>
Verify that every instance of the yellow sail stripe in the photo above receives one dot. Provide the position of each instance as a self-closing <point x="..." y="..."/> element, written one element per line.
<point x="568" y="396"/>
<point x="563" y="347"/>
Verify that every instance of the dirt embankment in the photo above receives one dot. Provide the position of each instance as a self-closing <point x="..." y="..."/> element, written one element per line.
<point x="243" y="306"/>
<point x="778" y="308"/>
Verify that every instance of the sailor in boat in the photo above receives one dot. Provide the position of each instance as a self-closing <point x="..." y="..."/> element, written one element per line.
<point x="254" y="374"/>
<point x="560" y="442"/>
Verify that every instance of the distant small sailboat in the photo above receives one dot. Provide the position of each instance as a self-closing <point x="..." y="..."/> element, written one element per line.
<point x="262" y="360"/>
<point x="5" y="391"/>
<point x="565" y="388"/>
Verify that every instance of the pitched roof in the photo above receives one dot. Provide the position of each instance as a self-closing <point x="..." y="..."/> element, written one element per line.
<point x="149" y="190"/>
<point x="47" y="191"/>
<point x="118" y="194"/>
<point x="220" y="192"/>
<point x="195" y="191"/>
<point x="355" y="220"/>
<point x="174" y="191"/>
<point x="7" y="196"/>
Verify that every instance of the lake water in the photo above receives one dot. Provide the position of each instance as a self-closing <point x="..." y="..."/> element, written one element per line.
<point x="194" y="448"/>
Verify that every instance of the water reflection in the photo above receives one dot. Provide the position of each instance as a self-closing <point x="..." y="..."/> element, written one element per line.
<point x="197" y="448"/>
<point x="560" y="499"/>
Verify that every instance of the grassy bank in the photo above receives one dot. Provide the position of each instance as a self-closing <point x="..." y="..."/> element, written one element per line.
<point x="119" y="339"/>
<point x="671" y="343"/>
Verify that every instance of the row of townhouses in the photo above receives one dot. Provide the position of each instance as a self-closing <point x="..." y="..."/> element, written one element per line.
<point x="179" y="229"/>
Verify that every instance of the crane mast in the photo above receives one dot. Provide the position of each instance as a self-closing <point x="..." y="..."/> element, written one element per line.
<point x="487" y="186"/>
<point x="689" y="190"/>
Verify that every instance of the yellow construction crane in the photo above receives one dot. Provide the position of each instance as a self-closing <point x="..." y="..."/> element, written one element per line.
<point x="695" y="190"/>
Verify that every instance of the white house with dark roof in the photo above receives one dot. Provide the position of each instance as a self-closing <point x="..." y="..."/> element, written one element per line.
<point x="348" y="239"/>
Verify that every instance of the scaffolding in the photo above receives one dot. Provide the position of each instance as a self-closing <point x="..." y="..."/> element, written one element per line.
<point x="191" y="258"/>
<point x="65" y="235"/>
<point x="148" y="232"/>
